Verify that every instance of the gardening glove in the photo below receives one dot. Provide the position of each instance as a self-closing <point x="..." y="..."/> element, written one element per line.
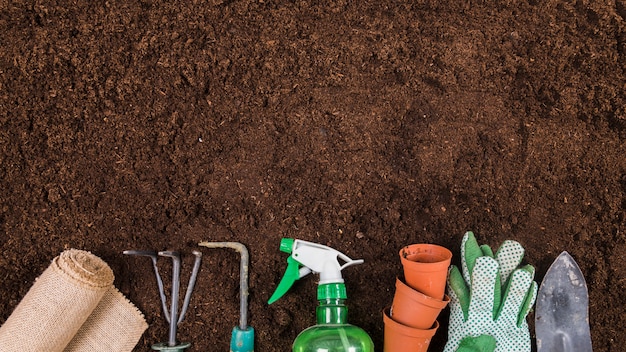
<point x="490" y="300"/>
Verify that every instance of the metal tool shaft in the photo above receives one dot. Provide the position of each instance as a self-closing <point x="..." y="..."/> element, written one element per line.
<point x="243" y="276"/>
<point x="175" y="292"/>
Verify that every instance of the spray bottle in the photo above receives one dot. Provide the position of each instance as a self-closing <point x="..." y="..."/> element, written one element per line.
<point x="332" y="332"/>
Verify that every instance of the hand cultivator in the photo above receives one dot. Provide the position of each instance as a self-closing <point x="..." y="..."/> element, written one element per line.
<point x="172" y="316"/>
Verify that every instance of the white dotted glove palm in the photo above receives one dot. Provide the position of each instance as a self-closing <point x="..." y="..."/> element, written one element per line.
<point x="489" y="302"/>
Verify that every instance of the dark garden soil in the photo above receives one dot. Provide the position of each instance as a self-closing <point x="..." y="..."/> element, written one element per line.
<point x="362" y="125"/>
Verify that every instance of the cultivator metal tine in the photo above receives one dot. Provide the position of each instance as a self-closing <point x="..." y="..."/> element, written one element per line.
<point x="172" y="315"/>
<point x="191" y="285"/>
<point x="153" y="255"/>
<point x="174" y="296"/>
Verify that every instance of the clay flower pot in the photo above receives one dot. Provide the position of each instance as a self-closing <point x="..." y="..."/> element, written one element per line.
<point x="426" y="268"/>
<point x="415" y="309"/>
<point x="401" y="338"/>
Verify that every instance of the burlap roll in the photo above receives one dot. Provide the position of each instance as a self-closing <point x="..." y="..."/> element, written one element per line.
<point x="73" y="306"/>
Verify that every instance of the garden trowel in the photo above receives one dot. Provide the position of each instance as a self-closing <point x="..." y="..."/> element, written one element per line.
<point x="562" y="316"/>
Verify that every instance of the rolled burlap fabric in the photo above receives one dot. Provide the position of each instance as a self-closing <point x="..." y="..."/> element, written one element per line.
<point x="73" y="306"/>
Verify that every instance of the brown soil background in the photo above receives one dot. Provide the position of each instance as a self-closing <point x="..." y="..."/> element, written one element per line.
<point x="364" y="125"/>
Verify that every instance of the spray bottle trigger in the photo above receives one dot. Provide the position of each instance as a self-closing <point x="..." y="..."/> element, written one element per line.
<point x="292" y="273"/>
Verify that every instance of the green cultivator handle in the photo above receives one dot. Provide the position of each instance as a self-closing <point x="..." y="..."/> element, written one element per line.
<point x="242" y="340"/>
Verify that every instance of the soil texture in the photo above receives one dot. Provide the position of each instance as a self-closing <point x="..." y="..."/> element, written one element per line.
<point x="361" y="125"/>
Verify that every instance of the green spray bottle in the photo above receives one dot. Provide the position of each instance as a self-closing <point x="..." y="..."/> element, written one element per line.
<point x="332" y="332"/>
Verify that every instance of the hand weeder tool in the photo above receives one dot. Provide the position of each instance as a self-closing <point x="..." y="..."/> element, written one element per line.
<point x="242" y="339"/>
<point x="172" y="316"/>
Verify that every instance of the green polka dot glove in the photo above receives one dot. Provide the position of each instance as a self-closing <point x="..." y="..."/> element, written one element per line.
<point x="490" y="300"/>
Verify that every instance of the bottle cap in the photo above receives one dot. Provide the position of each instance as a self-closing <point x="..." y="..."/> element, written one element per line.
<point x="332" y="291"/>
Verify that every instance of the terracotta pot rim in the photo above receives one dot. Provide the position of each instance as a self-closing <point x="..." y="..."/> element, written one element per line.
<point x="445" y="252"/>
<point x="432" y="302"/>
<point x="407" y="330"/>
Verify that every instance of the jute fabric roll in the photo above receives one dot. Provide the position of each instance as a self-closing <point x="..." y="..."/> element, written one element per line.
<point x="73" y="306"/>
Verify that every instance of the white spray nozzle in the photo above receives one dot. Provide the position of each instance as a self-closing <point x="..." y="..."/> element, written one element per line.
<point x="323" y="260"/>
<point x="306" y="257"/>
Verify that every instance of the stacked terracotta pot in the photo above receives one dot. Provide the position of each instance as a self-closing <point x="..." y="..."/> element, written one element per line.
<point x="411" y="321"/>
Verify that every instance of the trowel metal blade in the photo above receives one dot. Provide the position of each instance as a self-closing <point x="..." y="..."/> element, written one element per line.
<point x="562" y="313"/>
